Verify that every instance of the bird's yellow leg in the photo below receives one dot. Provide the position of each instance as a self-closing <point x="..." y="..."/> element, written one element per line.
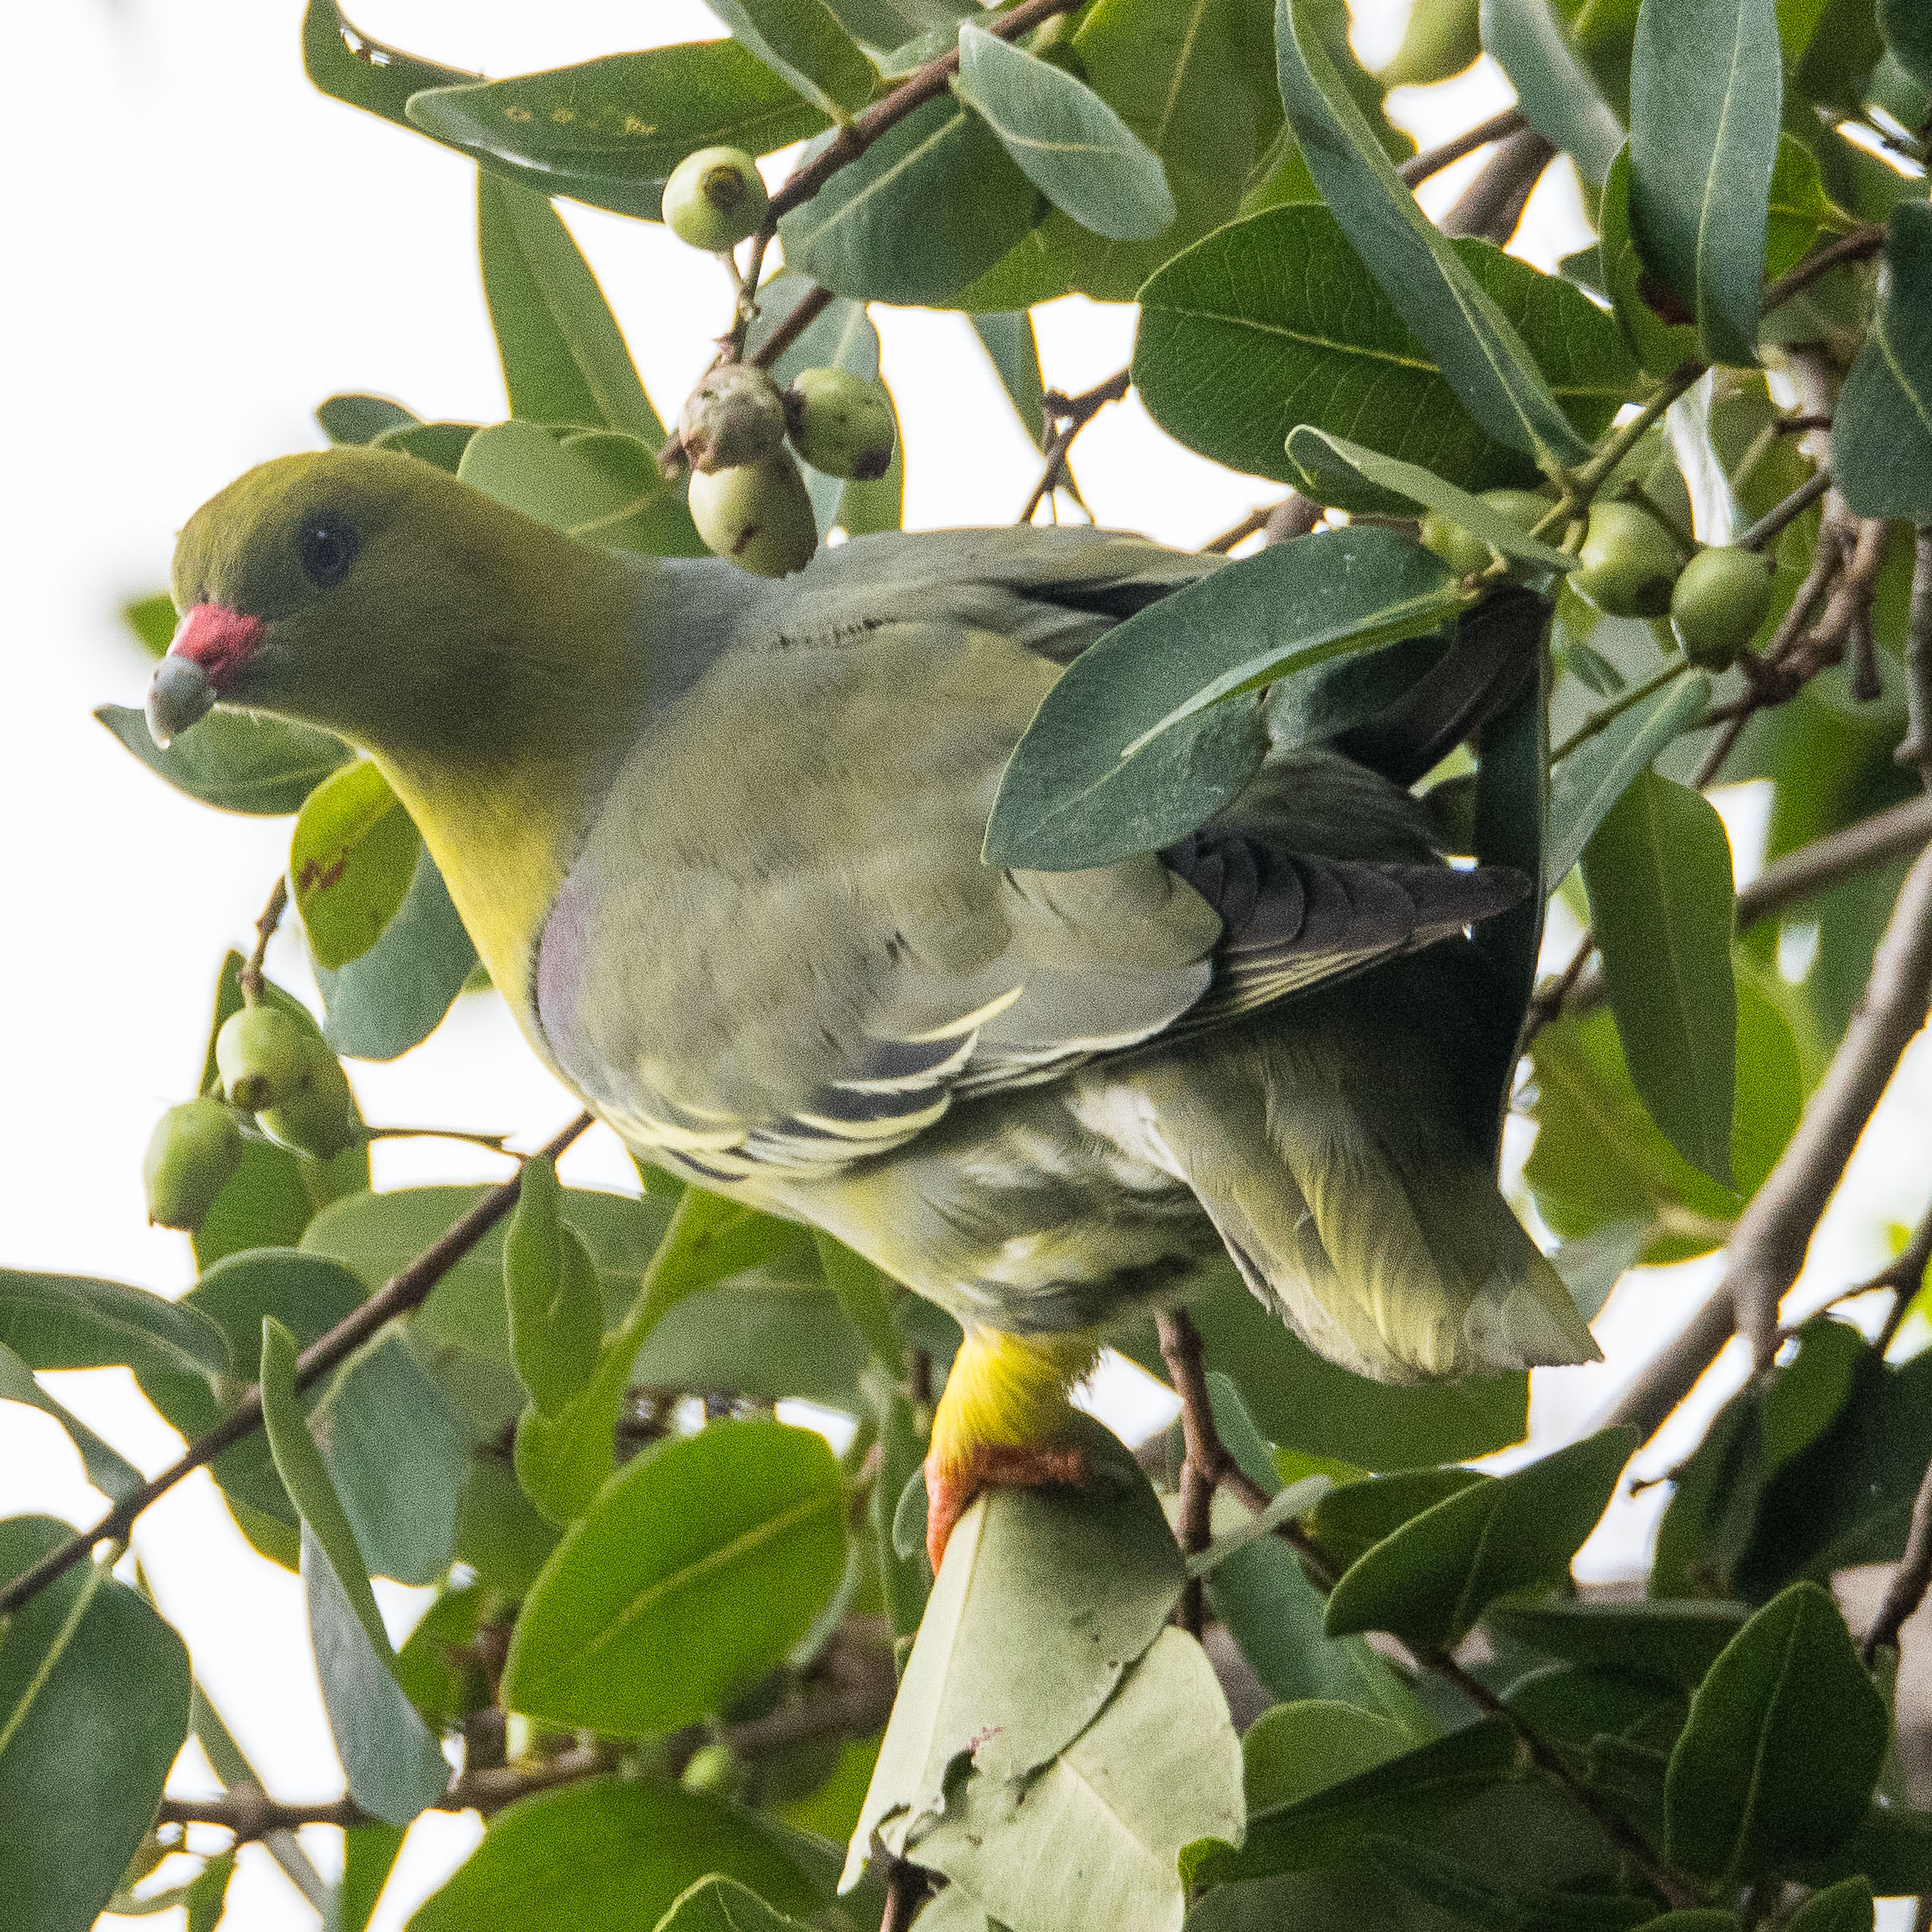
<point x="1002" y="1421"/>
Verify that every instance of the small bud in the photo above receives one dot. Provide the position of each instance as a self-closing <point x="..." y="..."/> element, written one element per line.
<point x="319" y="1117"/>
<point x="262" y="1055"/>
<point x="1460" y="549"/>
<point x="734" y="417"/>
<point x="715" y="198"/>
<point x="713" y="1768"/>
<point x="840" y="423"/>
<point x="192" y="1153"/>
<point x="760" y="516"/>
<point x="1722" y="597"/>
<point x="1629" y="563"/>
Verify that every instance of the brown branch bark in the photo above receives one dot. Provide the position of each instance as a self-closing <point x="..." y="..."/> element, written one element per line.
<point x="1906" y="1591"/>
<point x="1915" y="747"/>
<point x="1433" y="160"/>
<point x="1493" y="204"/>
<point x="249" y="979"/>
<point x="1856" y="247"/>
<point x="1071" y="414"/>
<point x="407" y="1290"/>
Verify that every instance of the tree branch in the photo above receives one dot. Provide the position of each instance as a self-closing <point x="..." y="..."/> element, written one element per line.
<point x="1896" y="832"/>
<point x="1915" y="747"/>
<point x="1856" y="247"/>
<point x="1072" y="414"/>
<point x="1419" y="167"/>
<point x="407" y="1290"/>
<point x="249" y="979"/>
<point x="1906" y="1591"/>
<point x="1493" y="204"/>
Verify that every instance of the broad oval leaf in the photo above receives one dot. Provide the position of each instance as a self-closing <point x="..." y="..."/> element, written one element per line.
<point x="1557" y="93"/>
<point x="234" y="761"/>
<point x="599" y="486"/>
<point x="1068" y="143"/>
<point x="1656" y="325"/>
<point x="803" y="43"/>
<point x="1669" y="1645"/>
<point x="617" y="1851"/>
<point x="94" y="1701"/>
<point x="930" y="205"/>
<point x="1844" y="1906"/>
<point x="1450" y="313"/>
<point x="351" y="862"/>
<point x="1431" y="1580"/>
<point x="1881" y="435"/>
<point x="550" y="1283"/>
<point x="1658" y="870"/>
<point x="1292" y="1751"/>
<point x="1706" y="86"/>
<point x="623" y="121"/>
<point x="396" y="994"/>
<point x="1080" y="789"/>
<point x="1778" y="1761"/>
<point x="73" y="1322"/>
<point x="694" y="1573"/>
<point x="357" y="419"/>
<point x="719" y="1904"/>
<point x="1275" y="321"/>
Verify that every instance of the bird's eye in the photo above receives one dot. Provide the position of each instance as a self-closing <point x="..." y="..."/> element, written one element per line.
<point x="327" y="548"/>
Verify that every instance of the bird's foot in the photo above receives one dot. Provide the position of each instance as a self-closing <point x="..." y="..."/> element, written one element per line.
<point x="951" y="1485"/>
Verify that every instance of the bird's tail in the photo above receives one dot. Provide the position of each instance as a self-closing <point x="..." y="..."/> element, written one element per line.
<point x="1346" y="1173"/>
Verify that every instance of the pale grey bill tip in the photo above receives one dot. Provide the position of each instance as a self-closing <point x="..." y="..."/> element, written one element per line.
<point x="180" y="695"/>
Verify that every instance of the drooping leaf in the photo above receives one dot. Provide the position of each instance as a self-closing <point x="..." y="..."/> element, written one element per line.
<point x="1275" y="321"/>
<point x="1881" y="434"/>
<point x="1448" y="309"/>
<point x="1528" y="40"/>
<point x="1658" y="869"/>
<point x="600" y="486"/>
<point x="234" y="760"/>
<point x="71" y="1321"/>
<point x="804" y="43"/>
<point x="1584" y="784"/>
<point x="1067" y="142"/>
<point x="110" y="1472"/>
<point x="1844" y="1906"/>
<point x="94" y="1699"/>
<point x="395" y="996"/>
<point x="1472" y="1896"/>
<point x="1135" y="746"/>
<point x="556" y="1306"/>
<point x="351" y="862"/>
<point x="1706" y="80"/>
<point x="694" y="1574"/>
<point x="1778" y="1761"/>
<point x="619" y="125"/>
<point x="1351" y="1521"/>
<point x="1009" y="340"/>
<point x="1430" y="1581"/>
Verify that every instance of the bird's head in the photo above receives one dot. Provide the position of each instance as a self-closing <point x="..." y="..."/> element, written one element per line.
<point x="363" y="590"/>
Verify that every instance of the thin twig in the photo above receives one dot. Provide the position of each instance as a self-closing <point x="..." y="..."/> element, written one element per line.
<point x="1590" y="478"/>
<point x="1915" y="747"/>
<point x="1901" y="1277"/>
<point x="1546" y="1004"/>
<point x="1071" y="414"/>
<point x="1294" y="516"/>
<point x="1859" y="243"/>
<point x="249" y="979"/>
<point x="1780" y="514"/>
<point x="1899" y="832"/>
<point x="1433" y="160"/>
<point x="1492" y="206"/>
<point x="805" y="311"/>
<point x="905" y="1893"/>
<point x="1906" y="1591"/>
<point x="1610" y="712"/>
<point x="405" y="1291"/>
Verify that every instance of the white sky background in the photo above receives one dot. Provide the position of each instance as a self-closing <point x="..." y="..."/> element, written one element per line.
<point x="200" y="249"/>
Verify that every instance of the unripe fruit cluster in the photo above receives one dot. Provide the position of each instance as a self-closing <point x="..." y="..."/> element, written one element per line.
<point x="271" y="1066"/>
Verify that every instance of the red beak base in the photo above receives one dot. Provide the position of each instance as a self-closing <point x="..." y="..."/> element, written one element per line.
<point x="216" y="639"/>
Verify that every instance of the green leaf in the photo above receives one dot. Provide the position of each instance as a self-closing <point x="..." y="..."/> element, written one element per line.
<point x="1669" y="1644"/>
<point x="1844" y="1906"/>
<point x="867" y="1295"/>
<point x="1292" y="1751"/>
<point x="618" y="126"/>
<point x="1008" y="341"/>
<point x="1089" y="1575"/>
<point x="1430" y="1581"/>
<point x="110" y="1472"/>
<point x="1125" y="755"/>
<point x="929" y="205"/>
<point x="1351" y="1521"/>
<point x="153" y="621"/>
<point x="1881" y="435"/>
<point x="1067" y="142"/>
<point x="1315" y="451"/>
<point x="556" y="1306"/>
<point x="1798" y="206"/>
<point x="1473" y="1897"/>
<point x="391" y="1763"/>
<point x="233" y="760"/>
<point x="1275" y="321"/>
<point x="904" y="1580"/>
<point x="442" y="444"/>
<point x="596" y="485"/>
<point x="1658" y="870"/>
<point x="564" y="359"/>
<point x="71" y="1321"/>
<point x="1705" y="90"/>
<point x="395" y="996"/>
<point x="206" y="1897"/>
<point x="358" y="420"/>
<point x="1778" y="1761"/>
<point x="94" y="1699"/>
<point x="717" y="1904"/>
<point x="1558" y="96"/>
<point x="1157" y="1770"/>
<point x="1907" y="31"/>
<point x="804" y="43"/>
<point x="369" y="1855"/>
<point x="694" y="1574"/>
<point x="1450" y="312"/>
<point x="1586" y="784"/>
<point x="351" y="862"/>
<point x="1347" y="692"/>
<point x="616" y="1852"/>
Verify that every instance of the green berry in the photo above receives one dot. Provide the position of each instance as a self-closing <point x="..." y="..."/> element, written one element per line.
<point x="1461" y="550"/>
<point x="261" y="1054"/>
<point x="1629" y="563"/>
<point x="841" y="423"/>
<point x="713" y="1768"/>
<point x="760" y="516"/>
<point x="715" y="198"/>
<point x="1719" y="602"/>
<point x="318" y="1116"/>
<point x="734" y="417"/>
<point x="192" y="1153"/>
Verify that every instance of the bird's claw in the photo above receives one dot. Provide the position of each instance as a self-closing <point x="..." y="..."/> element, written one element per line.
<point x="951" y="1487"/>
